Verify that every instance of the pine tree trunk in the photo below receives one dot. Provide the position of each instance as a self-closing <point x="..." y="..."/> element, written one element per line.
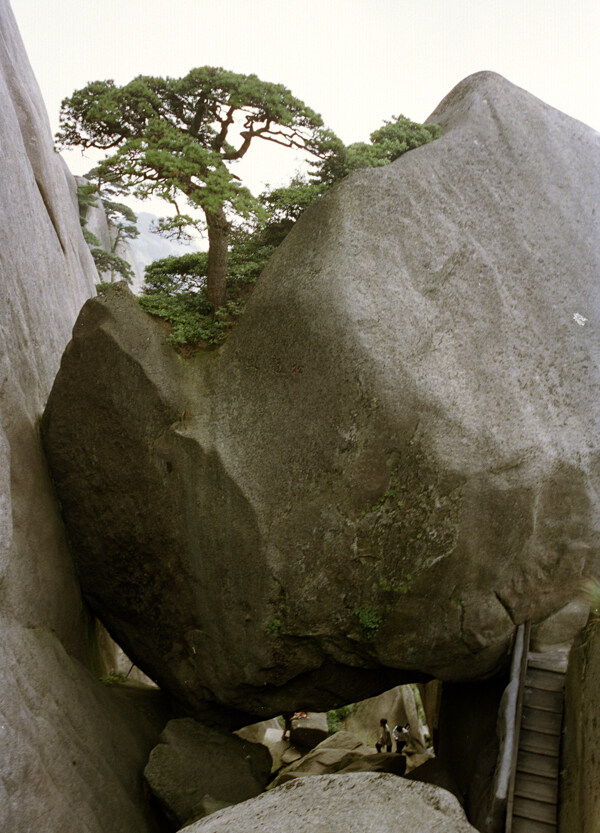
<point x="218" y="236"/>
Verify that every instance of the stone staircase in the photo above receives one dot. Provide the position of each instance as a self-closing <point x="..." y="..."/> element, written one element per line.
<point x="533" y="794"/>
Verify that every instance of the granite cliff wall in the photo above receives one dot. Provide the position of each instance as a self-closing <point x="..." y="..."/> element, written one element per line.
<point x="70" y="750"/>
<point x="580" y="784"/>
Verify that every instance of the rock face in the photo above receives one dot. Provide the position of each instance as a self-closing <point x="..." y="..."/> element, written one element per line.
<point x="468" y="741"/>
<point x="394" y="457"/>
<point x="72" y="750"/>
<point x="434" y="772"/>
<point x="398" y="706"/>
<point x="195" y="769"/>
<point x="342" y="803"/>
<point x="580" y="764"/>
<point x="342" y="752"/>
<point x="309" y="731"/>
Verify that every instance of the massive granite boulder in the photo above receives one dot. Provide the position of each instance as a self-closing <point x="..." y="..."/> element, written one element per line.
<point x="72" y="750"/>
<point x="394" y="457"/>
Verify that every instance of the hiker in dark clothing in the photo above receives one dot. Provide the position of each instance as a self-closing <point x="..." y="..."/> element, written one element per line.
<point x="385" y="736"/>
<point x="287" y="725"/>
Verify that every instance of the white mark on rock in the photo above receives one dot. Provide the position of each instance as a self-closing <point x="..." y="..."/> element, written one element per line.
<point x="579" y="319"/>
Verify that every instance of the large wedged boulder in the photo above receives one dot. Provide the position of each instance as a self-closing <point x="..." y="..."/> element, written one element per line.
<point x="394" y="457"/>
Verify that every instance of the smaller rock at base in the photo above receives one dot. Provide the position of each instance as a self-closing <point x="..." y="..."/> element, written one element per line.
<point x="432" y="771"/>
<point x="196" y="770"/>
<point x="309" y="731"/>
<point x="389" y="762"/>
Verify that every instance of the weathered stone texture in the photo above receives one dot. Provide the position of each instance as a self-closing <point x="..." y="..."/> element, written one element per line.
<point x="71" y="751"/>
<point x="196" y="768"/>
<point x="579" y="810"/>
<point x="371" y="803"/>
<point x="391" y="461"/>
<point x="46" y="274"/>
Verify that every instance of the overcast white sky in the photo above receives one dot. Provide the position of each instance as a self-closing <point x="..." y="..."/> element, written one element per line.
<point x="357" y="62"/>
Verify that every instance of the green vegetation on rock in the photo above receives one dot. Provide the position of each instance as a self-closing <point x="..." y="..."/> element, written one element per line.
<point x="175" y="290"/>
<point x="370" y="619"/>
<point x="274" y="627"/>
<point x="336" y="717"/>
<point x="177" y="138"/>
<point x="591" y="589"/>
<point x="122" y="226"/>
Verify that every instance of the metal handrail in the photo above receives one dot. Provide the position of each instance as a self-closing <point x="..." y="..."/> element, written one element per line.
<point x="522" y="672"/>
<point x="508" y="729"/>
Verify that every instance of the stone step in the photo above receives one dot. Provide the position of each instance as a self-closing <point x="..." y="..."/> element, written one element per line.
<point x="534" y="810"/>
<point x="520" y="825"/>
<point x="537" y="720"/>
<point x="535" y="795"/>
<point x="537" y="698"/>
<point x="536" y="764"/>
<point x="548" y="680"/>
<point x="539" y="742"/>
<point x="550" y="661"/>
<point x="536" y="787"/>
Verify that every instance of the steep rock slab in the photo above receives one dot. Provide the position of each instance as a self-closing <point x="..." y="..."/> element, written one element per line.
<point x="579" y="810"/>
<point x="340" y="753"/>
<point x="393" y="458"/>
<point x="398" y="706"/>
<point x="46" y="274"/>
<point x="73" y="749"/>
<point x="370" y="803"/>
<point x="72" y="753"/>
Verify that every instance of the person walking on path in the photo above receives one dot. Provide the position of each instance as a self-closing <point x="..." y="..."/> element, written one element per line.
<point x="400" y="736"/>
<point x="385" y="736"/>
<point x="287" y="725"/>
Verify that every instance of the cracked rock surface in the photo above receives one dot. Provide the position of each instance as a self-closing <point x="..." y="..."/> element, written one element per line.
<point x="394" y="457"/>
